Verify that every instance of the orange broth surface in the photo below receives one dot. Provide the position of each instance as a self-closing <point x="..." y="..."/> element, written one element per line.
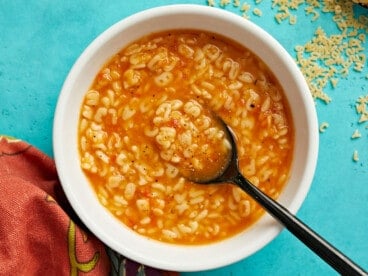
<point x="149" y="119"/>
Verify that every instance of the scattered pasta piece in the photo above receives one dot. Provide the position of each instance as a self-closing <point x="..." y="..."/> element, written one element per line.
<point x="292" y="19"/>
<point x="356" y="134"/>
<point x="361" y="108"/>
<point x="257" y="12"/>
<point x="323" y="126"/>
<point x="334" y="82"/>
<point x="224" y="3"/>
<point x="211" y="3"/>
<point x="355" y="156"/>
<point x="245" y="7"/>
<point x="236" y="3"/>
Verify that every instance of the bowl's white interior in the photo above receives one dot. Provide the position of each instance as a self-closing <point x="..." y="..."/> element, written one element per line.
<point x="78" y="190"/>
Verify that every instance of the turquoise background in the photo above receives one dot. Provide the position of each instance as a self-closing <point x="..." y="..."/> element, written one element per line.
<point x="40" y="41"/>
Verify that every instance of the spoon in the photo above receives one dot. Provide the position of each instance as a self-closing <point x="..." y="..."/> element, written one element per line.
<point x="231" y="174"/>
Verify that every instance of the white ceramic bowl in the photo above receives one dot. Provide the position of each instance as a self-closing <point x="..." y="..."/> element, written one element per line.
<point x="82" y="197"/>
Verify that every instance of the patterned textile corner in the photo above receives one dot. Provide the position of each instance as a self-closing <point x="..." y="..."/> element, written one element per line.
<point x="40" y="233"/>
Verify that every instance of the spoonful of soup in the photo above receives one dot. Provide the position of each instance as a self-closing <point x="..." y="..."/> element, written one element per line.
<point x="224" y="164"/>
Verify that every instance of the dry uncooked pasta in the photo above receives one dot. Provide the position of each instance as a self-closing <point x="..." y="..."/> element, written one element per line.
<point x="324" y="58"/>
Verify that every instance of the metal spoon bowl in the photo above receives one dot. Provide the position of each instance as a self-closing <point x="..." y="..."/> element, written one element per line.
<point x="231" y="174"/>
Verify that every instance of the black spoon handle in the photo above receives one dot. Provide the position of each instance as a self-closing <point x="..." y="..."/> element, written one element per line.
<point x="321" y="247"/>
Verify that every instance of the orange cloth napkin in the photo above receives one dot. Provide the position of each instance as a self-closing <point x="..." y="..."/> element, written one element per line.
<point x="39" y="232"/>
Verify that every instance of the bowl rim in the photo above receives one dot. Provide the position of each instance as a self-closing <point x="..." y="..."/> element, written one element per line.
<point x="61" y="158"/>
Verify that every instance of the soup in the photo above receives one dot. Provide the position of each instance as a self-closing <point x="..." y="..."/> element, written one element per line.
<point x="150" y="119"/>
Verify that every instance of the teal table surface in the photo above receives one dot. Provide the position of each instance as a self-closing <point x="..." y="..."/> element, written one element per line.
<point x="40" y="41"/>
